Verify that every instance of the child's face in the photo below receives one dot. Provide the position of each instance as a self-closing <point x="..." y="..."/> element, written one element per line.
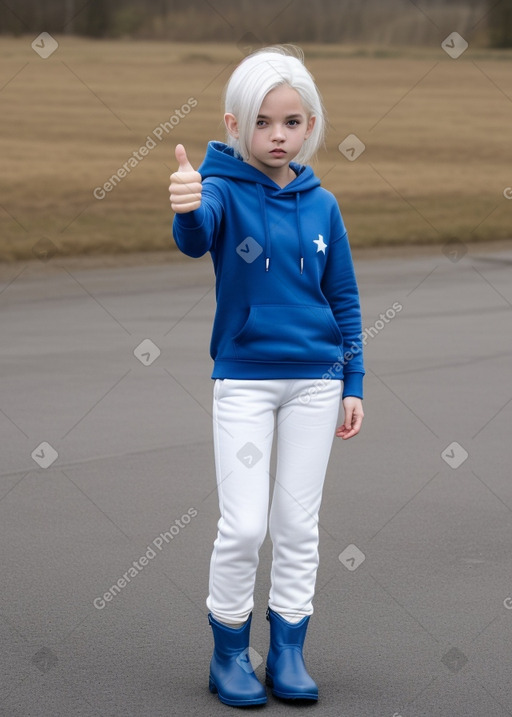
<point x="282" y="126"/>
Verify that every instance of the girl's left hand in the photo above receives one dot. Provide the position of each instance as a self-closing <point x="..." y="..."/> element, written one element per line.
<point x="353" y="418"/>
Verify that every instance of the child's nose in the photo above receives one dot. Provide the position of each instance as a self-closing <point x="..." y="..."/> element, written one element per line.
<point x="278" y="132"/>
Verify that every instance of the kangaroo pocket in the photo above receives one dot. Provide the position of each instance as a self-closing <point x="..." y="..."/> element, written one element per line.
<point x="289" y="333"/>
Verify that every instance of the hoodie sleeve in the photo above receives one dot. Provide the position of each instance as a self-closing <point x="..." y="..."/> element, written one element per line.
<point x="340" y="289"/>
<point x="195" y="232"/>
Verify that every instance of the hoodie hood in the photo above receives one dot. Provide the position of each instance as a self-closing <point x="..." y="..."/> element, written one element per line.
<point x="223" y="162"/>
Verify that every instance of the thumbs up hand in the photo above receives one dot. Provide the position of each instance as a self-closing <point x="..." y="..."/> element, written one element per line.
<point x="186" y="184"/>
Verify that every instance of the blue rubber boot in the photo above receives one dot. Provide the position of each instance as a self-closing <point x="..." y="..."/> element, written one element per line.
<point x="286" y="672"/>
<point x="231" y="673"/>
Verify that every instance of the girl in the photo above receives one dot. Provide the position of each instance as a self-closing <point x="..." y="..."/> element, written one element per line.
<point x="287" y="310"/>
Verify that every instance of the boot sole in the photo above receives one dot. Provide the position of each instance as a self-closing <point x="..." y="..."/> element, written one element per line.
<point x="233" y="702"/>
<point x="307" y="696"/>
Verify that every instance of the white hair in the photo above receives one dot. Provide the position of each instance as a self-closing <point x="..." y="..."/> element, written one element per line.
<point x="254" y="78"/>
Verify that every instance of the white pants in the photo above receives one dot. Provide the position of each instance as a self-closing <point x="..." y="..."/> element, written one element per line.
<point x="304" y="413"/>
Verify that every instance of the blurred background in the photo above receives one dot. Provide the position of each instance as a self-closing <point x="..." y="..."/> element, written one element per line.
<point x="325" y="21"/>
<point x="95" y="95"/>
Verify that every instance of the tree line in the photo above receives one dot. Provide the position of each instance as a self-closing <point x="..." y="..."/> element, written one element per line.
<point x="324" y="21"/>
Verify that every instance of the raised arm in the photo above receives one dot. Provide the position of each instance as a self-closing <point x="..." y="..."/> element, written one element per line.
<point x="198" y="211"/>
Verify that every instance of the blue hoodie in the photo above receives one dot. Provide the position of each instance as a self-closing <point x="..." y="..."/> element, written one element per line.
<point x="287" y="298"/>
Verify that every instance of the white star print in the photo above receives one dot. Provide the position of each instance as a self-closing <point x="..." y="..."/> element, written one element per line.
<point x="321" y="245"/>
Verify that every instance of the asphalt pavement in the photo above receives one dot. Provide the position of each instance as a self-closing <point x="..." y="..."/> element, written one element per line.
<point x="108" y="506"/>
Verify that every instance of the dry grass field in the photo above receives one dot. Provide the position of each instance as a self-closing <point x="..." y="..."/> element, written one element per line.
<point x="436" y="130"/>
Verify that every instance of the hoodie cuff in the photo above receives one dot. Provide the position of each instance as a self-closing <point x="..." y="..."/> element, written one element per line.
<point x="353" y="385"/>
<point x="191" y="220"/>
